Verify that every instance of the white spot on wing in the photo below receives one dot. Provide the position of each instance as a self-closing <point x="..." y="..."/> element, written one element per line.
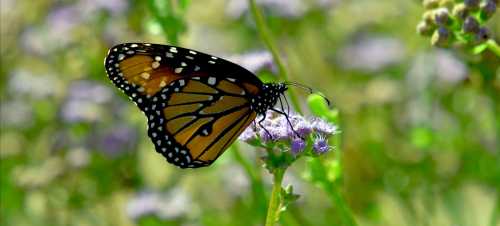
<point x="212" y="80"/>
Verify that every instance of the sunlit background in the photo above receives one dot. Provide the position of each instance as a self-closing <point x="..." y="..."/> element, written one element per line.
<point x="420" y="125"/>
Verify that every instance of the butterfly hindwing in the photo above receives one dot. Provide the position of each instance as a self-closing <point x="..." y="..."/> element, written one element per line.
<point x="192" y="121"/>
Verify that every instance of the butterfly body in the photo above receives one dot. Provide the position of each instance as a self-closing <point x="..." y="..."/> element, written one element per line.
<point x="196" y="104"/>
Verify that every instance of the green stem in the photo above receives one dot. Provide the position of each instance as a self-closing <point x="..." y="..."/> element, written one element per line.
<point x="346" y="216"/>
<point x="493" y="46"/>
<point x="495" y="218"/>
<point x="341" y="205"/>
<point x="275" y="201"/>
<point x="266" y="36"/>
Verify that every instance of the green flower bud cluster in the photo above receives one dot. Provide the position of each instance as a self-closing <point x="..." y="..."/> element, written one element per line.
<point x="456" y="21"/>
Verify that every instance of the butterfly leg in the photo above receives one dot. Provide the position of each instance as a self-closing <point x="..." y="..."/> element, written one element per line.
<point x="289" y="123"/>
<point x="262" y="126"/>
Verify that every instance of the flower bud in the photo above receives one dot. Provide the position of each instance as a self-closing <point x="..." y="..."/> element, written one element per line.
<point x="472" y="4"/>
<point x="442" y="16"/>
<point x="471" y="25"/>
<point x="424" y="29"/>
<point x="460" y="11"/>
<point x="482" y="35"/>
<point x="440" y="37"/>
<point x="488" y="8"/>
<point x="428" y="17"/>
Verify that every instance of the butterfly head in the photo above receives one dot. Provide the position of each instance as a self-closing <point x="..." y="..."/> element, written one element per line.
<point x="268" y="97"/>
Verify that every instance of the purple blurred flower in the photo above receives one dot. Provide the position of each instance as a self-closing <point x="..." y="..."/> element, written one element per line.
<point x="118" y="140"/>
<point x="297" y="146"/>
<point x="56" y="33"/>
<point x="320" y="145"/>
<point x="58" y="30"/>
<point x="113" y="6"/>
<point x="174" y="204"/>
<point x="85" y="101"/>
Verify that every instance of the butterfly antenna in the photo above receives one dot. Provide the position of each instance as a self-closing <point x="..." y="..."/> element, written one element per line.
<point x="309" y="89"/>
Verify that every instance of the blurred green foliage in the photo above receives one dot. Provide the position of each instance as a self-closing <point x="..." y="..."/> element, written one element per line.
<point x="420" y="126"/>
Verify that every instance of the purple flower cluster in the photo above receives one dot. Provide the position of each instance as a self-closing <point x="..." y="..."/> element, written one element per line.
<point x="276" y="128"/>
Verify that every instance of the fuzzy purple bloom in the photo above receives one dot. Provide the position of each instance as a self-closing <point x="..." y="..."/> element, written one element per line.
<point x="323" y="127"/>
<point x="248" y="134"/>
<point x="297" y="146"/>
<point x="320" y="145"/>
<point x="276" y="128"/>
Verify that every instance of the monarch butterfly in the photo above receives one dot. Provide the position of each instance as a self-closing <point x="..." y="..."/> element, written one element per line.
<point x="196" y="104"/>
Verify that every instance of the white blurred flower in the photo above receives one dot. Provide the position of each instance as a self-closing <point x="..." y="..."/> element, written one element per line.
<point x="78" y="157"/>
<point x="284" y="8"/>
<point x="235" y="180"/>
<point x="36" y="86"/>
<point x="173" y="204"/>
<point x="449" y="69"/>
<point x="85" y="101"/>
<point x="254" y="61"/>
<point x="372" y="53"/>
<point x="16" y="114"/>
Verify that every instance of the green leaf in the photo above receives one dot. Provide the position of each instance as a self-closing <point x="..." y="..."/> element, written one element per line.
<point x="480" y="48"/>
<point x="287" y="197"/>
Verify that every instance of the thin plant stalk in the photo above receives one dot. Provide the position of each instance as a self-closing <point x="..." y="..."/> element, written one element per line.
<point x="275" y="200"/>
<point x="266" y="36"/>
<point x="493" y="47"/>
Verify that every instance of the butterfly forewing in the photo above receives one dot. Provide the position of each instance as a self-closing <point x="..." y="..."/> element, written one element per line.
<point x="196" y="104"/>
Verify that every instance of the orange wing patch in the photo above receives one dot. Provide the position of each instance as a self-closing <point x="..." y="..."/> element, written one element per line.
<point x="251" y="88"/>
<point x="200" y="143"/>
<point x="175" y="125"/>
<point x="195" y="86"/>
<point x="147" y="72"/>
<point x="230" y="88"/>
<point x="184" y="98"/>
<point x="184" y="135"/>
<point x="226" y="139"/>
<point x="223" y="103"/>
<point x="172" y="111"/>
